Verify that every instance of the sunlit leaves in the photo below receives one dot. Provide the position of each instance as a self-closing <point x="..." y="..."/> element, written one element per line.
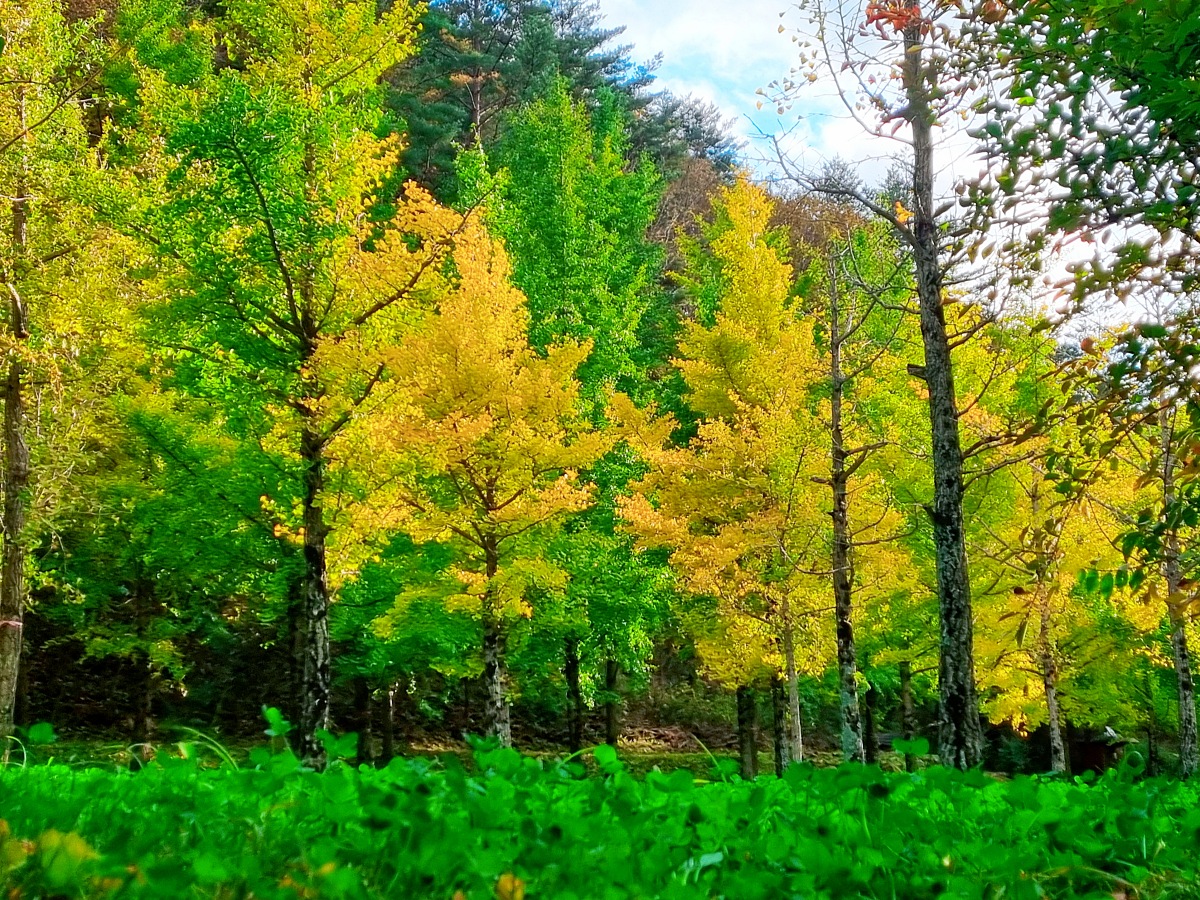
<point x="476" y="440"/>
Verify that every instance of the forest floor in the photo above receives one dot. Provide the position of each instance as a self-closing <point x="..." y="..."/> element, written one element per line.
<point x="640" y="757"/>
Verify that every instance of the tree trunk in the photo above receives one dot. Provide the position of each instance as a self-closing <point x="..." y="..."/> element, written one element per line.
<point x="575" y="708"/>
<point x="1189" y="751"/>
<point x="144" y="705"/>
<point x="1046" y="663"/>
<point x="21" y="707"/>
<point x="779" y="726"/>
<point x="315" y="694"/>
<point x="960" y="735"/>
<point x="908" y="715"/>
<point x="365" y="751"/>
<point x="843" y="563"/>
<point x="495" y="673"/>
<point x="795" y="729"/>
<point x="495" y="676"/>
<point x="1049" y="667"/>
<point x="612" y="705"/>
<point x="15" y="479"/>
<point x="871" y="731"/>
<point x="1187" y="698"/>
<point x="387" y="748"/>
<point x="747" y="722"/>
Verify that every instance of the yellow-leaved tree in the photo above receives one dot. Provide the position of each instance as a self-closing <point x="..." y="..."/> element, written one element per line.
<point x="475" y="442"/>
<point x="737" y="507"/>
<point x="780" y="507"/>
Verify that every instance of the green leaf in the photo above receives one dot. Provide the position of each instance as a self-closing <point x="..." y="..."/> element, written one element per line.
<point x="606" y="759"/>
<point x="277" y="725"/>
<point x="41" y="733"/>
<point x="915" y="747"/>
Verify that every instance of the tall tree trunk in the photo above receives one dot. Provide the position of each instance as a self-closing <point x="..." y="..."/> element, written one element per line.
<point x="871" y="730"/>
<point x="387" y="747"/>
<point x="1046" y="662"/>
<point x="612" y="703"/>
<point x="1188" y="759"/>
<point x="779" y="726"/>
<point x="365" y="751"/>
<point x="1049" y="667"/>
<point x="575" y="708"/>
<point x="795" y="728"/>
<point x="21" y="712"/>
<point x="495" y="672"/>
<point x="843" y="563"/>
<point x="144" y="705"/>
<point x="908" y="715"/>
<point x="960" y="734"/>
<point x="747" y="729"/>
<point x="495" y="676"/>
<point x="15" y="480"/>
<point x="1189" y="751"/>
<point x="315" y="693"/>
<point x="140" y="599"/>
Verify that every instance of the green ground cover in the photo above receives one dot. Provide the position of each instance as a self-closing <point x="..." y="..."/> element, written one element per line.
<point x="513" y="827"/>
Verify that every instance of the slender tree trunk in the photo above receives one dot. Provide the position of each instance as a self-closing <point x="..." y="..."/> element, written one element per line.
<point x="779" y="726"/>
<point x="140" y="597"/>
<point x="871" y="731"/>
<point x="1049" y="667"/>
<point x="15" y="480"/>
<point x="575" y="708"/>
<point x="495" y="672"/>
<point x="612" y="705"/>
<point x="144" y="706"/>
<point x="1189" y="750"/>
<point x="908" y="715"/>
<point x="21" y="707"/>
<point x="387" y="748"/>
<point x="1187" y="698"/>
<point x="362" y="721"/>
<point x="843" y="563"/>
<point x="960" y="735"/>
<point x="796" y="733"/>
<point x="747" y="721"/>
<point x="315" y="693"/>
<point x="495" y="675"/>
<point x="1046" y="662"/>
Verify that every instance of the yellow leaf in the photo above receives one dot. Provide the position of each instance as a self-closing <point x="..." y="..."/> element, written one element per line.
<point x="510" y="887"/>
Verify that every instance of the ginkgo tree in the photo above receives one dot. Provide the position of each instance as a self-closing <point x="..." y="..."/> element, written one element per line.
<point x="1032" y="616"/>
<point x="856" y="284"/>
<point x="254" y="173"/>
<point x="1146" y="409"/>
<point x="66" y="301"/>
<point x="476" y="441"/>
<point x="735" y="507"/>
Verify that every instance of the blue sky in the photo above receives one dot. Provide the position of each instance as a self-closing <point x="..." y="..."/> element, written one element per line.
<point x="724" y="51"/>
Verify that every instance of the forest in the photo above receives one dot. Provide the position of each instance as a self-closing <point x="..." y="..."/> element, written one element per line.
<point x="424" y="381"/>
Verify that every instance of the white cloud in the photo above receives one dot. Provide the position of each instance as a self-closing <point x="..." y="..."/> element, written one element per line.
<point x="725" y="51"/>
